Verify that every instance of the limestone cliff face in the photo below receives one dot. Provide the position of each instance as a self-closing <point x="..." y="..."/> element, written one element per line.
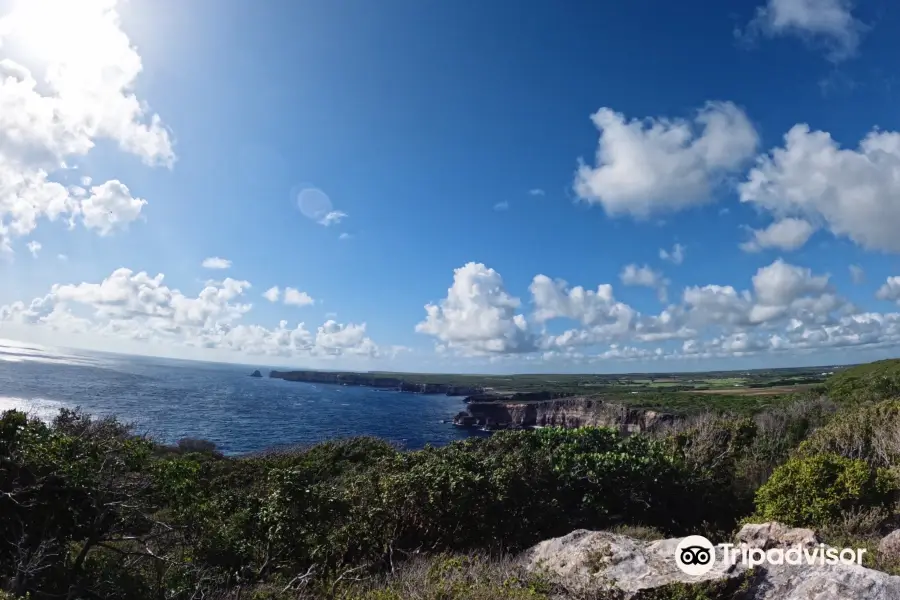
<point x="565" y="412"/>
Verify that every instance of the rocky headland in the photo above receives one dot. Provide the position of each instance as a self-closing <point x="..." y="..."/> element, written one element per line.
<point x="376" y="381"/>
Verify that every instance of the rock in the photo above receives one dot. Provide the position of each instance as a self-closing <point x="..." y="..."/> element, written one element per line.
<point x="775" y="535"/>
<point x="599" y="560"/>
<point x="889" y="547"/>
<point x="256" y="374"/>
<point x="828" y="582"/>
<point x="591" y="563"/>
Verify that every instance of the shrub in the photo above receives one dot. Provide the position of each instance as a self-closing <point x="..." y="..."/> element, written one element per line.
<point x="814" y="491"/>
<point x="870" y="432"/>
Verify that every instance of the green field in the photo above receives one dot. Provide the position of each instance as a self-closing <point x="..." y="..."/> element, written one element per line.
<point x="728" y="391"/>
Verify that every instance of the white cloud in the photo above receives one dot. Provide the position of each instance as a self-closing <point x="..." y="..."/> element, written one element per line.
<point x="332" y="218"/>
<point x="62" y="257"/>
<point x="536" y="192"/>
<point x="826" y="22"/>
<point x="890" y="290"/>
<point x="787" y="234"/>
<point x="34" y="247"/>
<point x="675" y="256"/>
<point x="110" y="206"/>
<point x="500" y="206"/>
<point x="851" y="192"/>
<point x="857" y="274"/>
<point x="645" y="277"/>
<point x="788" y="309"/>
<point x="660" y="165"/>
<point x="478" y="316"/>
<point x="272" y="294"/>
<point x="85" y="95"/>
<point x="778" y="286"/>
<point x="214" y="262"/>
<point x="345" y="236"/>
<point x="140" y="308"/>
<point x="295" y="297"/>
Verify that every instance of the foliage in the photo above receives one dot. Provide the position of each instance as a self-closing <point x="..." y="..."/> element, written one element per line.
<point x="873" y="381"/>
<point x="869" y="432"/>
<point x="813" y="491"/>
<point x="88" y="509"/>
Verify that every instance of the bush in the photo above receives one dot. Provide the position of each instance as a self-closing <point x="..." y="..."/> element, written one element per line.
<point x="814" y="491"/>
<point x="869" y="432"/>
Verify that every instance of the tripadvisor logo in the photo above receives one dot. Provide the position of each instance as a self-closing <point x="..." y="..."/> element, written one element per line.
<point x="695" y="555"/>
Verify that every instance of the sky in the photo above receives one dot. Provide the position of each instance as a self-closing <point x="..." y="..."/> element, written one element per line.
<point x="453" y="186"/>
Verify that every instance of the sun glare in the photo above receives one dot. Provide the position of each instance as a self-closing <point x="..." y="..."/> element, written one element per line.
<point x="61" y="31"/>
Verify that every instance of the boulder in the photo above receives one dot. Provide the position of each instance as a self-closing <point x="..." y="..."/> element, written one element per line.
<point x="889" y="546"/>
<point x="775" y="535"/>
<point x="829" y="582"/>
<point x="590" y="563"/>
<point x="599" y="560"/>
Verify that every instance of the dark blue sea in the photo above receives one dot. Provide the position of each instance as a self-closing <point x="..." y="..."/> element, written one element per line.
<point x="173" y="399"/>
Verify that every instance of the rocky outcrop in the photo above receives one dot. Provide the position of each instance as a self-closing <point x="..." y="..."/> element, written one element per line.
<point x="256" y="374"/>
<point x="592" y="563"/>
<point x="775" y="535"/>
<point x="565" y="412"/>
<point x="889" y="547"/>
<point x="584" y="561"/>
<point x="375" y="381"/>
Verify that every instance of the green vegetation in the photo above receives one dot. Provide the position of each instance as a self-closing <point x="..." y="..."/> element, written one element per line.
<point x="90" y="510"/>
<point x="816" y="490"/>
<point x="871" y="382"/>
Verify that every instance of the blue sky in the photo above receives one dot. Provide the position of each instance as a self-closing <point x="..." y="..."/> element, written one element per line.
<point x="446" y="139"/>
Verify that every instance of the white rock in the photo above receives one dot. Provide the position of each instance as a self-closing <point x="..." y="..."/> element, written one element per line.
<point x="775" y="535"/>
<point x="601" y="560"/>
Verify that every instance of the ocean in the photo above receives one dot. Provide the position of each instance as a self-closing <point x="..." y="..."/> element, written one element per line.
<point x="173" y="399"/>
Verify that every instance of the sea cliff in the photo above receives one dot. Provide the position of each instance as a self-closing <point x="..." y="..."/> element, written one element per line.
<point x="562" y="412"/>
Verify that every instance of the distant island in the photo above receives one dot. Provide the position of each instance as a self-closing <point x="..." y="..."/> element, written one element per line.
<point x="256" y="373"/>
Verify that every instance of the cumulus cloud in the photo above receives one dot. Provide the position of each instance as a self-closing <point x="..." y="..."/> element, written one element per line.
<point x="657" y="165"/>
<point x="787" y="234"/>
<point x="85" y="95"/>
<point x="478" y="315"/>
<point x="295" y="297"/>
<point x="890" y="290"/>
<point x="34" y="247"/>
<point x="851" y="192"/>
<point x="645" y="277"/>
<point x="829" y="23"/>
<point x="138" y="307"/>
<point x="786" y="308"/>
<point x="675" y="255"/>
<point x="272" y="294"/>
<point x="214" y="262"/>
